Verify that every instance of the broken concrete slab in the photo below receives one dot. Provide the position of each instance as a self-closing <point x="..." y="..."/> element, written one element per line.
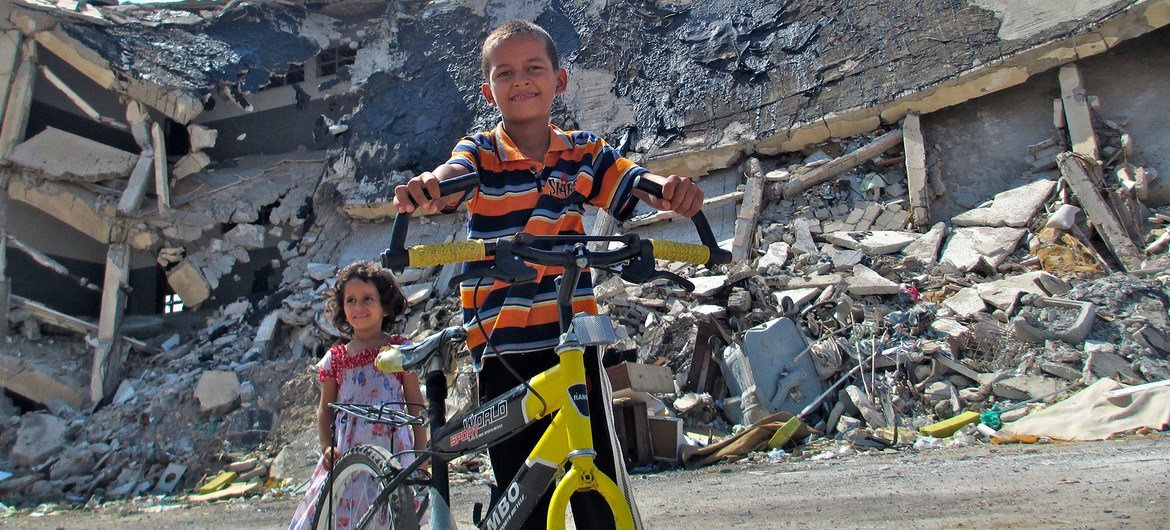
<point x="66" y="156"/>
<point x="970" y="246"/>
<point x="1004" y="293"/>
<point x="816" y="280"/>
<point x="881" y="242"/>
<point x="799" y="297"/>
<point x="246" y="235"/>
<point x="1103" y="363"/>
<point x="36" y="375"/>
<point x="925" y="249"/>
<point x="707" y="286"/>
<point x="218" y="391"/>
<point x="865" y="281"/>
<point x="1015" y="207"/>
<point x="776" y="255"/>
<point x="1026" y="387"/>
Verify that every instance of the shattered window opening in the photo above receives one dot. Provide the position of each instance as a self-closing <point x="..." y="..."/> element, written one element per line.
<point x="333" y="59"/>
<point x="295" y="74"/>
<point x="172" y="303"/>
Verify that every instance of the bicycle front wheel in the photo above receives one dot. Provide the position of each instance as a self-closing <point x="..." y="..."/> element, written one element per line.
<point x="358" y="477"/>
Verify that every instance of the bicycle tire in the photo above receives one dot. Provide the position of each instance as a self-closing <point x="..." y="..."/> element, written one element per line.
<point x="359" y="475"/>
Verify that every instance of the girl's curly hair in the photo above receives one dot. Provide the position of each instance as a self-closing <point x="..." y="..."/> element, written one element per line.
<point x="393" y="300"/>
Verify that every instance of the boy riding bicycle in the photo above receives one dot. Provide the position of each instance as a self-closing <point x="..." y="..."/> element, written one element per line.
<point x="536" y="178"/>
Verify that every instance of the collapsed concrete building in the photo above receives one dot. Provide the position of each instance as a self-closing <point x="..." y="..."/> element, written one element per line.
<point x="182" y="180"/>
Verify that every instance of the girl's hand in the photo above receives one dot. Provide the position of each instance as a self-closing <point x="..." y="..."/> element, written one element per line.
<point x="330" y="454"/>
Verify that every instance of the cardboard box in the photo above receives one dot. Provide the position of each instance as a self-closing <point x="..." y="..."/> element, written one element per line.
<point x="666" y="435"/>
<point x="633" y="431"/>
<point x="640" y="377"/>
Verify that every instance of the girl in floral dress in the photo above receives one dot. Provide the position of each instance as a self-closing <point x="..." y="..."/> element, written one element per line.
<point x="363" y="304"/>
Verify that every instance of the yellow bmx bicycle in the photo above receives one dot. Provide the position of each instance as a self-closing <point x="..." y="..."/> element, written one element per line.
<point x="404" y="496"/>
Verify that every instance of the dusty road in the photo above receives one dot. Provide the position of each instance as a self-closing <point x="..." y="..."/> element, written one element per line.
<point x="1114" y="484"/>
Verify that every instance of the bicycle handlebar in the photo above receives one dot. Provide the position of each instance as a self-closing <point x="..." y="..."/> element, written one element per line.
<point x="522" y="245"/>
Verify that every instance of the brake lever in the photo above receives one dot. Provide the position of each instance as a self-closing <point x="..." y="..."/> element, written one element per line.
<point x="506" y="267"/>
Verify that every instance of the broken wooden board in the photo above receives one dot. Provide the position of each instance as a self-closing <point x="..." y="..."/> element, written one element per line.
<point x="1095" y="207"/>
<point x="822" y="173"/>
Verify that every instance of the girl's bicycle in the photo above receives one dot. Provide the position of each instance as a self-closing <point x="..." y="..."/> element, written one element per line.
<point x="406" y="496"/>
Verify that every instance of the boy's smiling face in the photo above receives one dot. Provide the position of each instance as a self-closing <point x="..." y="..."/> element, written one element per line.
<point x="522" y="80"/>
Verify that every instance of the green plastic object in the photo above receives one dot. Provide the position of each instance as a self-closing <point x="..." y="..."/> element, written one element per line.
<point x="992" y="418"/>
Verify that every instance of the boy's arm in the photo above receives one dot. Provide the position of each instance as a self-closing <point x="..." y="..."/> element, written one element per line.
<point x="426" y="185"/>
<point x="680" y="195"/>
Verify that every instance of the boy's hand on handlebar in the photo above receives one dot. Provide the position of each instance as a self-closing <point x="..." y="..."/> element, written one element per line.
<point x="679" y="195"/>
<point x="419" y="193"/>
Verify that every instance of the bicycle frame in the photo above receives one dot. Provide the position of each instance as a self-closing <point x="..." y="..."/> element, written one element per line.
<point x="559" y="391"/>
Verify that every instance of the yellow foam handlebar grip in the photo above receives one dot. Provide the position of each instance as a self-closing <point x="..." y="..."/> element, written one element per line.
<point x="686" y="252"/>
<point x="444" y="253"/>
<point x="389" y="360"/>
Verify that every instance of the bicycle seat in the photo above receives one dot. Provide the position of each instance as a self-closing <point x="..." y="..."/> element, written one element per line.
<point x="413" y="356"/>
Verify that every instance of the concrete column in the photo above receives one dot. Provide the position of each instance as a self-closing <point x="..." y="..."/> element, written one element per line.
<point x="109" y="353"/>
<point x="19" y="99"/>
<point x="9" y="57"/>
<point x="5" y="285"/>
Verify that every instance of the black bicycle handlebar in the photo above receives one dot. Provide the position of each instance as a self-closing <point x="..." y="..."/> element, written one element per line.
<point x="524" y="245"/>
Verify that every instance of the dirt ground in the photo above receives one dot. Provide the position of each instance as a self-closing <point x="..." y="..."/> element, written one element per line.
<point x="1113" y="484"/>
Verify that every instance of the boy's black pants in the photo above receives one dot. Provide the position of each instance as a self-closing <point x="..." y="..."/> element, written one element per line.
<point x="589" y="509"/>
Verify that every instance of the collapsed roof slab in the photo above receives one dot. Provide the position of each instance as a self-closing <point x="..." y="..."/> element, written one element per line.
<point x="86" y="211"/>
<point x="66" y="156"/>
<point x="175" y="104"/>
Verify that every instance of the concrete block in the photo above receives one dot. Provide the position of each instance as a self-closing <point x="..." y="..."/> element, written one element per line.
<point x="707" y="286"/>
<point x="218" y="391"/>
<point x="1102" y="363"/>
<point x="844" y="259"/>
<point x="1014" y="207"/>
<point x="39" y="436"/>
<point x="189" y="283"/>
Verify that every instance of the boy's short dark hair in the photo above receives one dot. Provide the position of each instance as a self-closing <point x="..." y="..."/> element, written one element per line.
<point x="392" y="298"/>
<point x="516" y="28"/>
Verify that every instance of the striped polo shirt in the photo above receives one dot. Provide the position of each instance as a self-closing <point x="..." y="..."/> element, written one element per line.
<point x="542" y="197"/>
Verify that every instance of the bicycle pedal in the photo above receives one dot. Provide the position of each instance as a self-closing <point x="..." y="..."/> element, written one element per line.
<point x="477" y="514"/>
